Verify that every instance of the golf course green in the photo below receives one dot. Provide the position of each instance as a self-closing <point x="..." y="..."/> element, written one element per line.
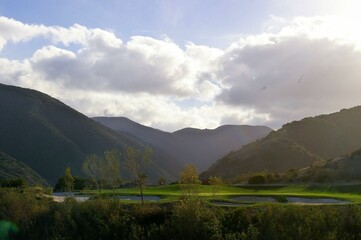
<point x="228" y="193"/>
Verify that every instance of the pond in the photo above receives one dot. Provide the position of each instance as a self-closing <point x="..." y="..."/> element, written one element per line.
<point x="302" y="200"/>
<point x="253" y="199"/>
<point x="228" y="204"/>
<point x="64" y="194"/>
<point x="60" y="196"/>
<point x="138" y="198"/>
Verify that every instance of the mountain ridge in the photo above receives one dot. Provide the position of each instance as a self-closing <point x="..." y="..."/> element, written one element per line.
<point x="49" y="136"/>
<point x="341" y="169"/>
<point x="296" y="145"/>
<point x="190" y="145"/>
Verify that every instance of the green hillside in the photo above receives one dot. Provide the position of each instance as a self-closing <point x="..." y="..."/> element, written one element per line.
<point x="295" y="145"/>
<point x="328" y="136"/>
<point x="48" y="135"/>
<point x="345" y="168"/>
<point x="11" y="168"/>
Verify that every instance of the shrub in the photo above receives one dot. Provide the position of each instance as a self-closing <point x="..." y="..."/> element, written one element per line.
<point x="194" y="219"/>
<point x="13" y="183"/>
<point x="257" y="179"/>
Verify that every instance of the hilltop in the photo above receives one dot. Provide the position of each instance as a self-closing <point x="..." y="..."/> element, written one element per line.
<point x="201" y="147"/>
<point x="296" y="145"/>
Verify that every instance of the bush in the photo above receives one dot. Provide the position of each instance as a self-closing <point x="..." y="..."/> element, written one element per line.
<point x="194" y="219"/>
<point x="13" y="183"/>
<point x="257" y="179"/>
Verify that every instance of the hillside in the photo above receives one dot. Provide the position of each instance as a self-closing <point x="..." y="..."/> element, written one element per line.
<point x="295" y="145"/>
<point x="201" y="147"/>
<point x="345" y="168"/>
<point x="48" y="136"/>
<point x="12" y="168"/>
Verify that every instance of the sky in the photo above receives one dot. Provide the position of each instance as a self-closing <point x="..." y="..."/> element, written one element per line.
<point x="182" y="63"/>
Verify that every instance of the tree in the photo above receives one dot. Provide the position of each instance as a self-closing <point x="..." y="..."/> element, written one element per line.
<point x="112" y="168"/>
<point x="137" y="162"/>
<point x="79" y="183"/>
<point x="189" y="180"/>
<point x="215" y="182"/>
<point x="68" y="180"/>
<point x="162" y="181"/>
<point x="257" y="179"/>
<point x="92" y="168"/>
<point x="104" y="169"/>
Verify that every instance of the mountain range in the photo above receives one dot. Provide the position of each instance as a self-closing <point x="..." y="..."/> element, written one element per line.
<point x="200" y="147"/>
<point x="296" y="145"/>
<point x="48" y="136"/>
<point x="41" y="136"/>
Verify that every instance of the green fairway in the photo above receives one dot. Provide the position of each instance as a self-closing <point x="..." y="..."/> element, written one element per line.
<point x="169" y="193"/>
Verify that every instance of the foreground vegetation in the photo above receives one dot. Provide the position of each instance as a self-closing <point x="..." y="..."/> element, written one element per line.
<point x="37" y="217"/>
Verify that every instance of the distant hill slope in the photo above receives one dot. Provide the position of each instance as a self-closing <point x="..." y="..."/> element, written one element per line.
<point x="295" y="145"/>
<point x="189" y="145"/>
<point x="12" y="168"/>
<point x="345" y="168"/>
<point x="48" y="135"/>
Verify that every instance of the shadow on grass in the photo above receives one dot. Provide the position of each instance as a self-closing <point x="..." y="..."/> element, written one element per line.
<point x="336" y="188"/>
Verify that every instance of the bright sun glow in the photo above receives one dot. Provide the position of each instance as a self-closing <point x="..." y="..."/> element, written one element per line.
<point x="350" y="25"/>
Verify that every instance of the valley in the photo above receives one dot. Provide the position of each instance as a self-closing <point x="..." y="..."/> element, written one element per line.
<point x="180" y="120"/>
<point x="45" y="136"/>
<point x="311" y="165"/>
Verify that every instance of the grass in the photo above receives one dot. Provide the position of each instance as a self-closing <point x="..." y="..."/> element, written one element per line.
<point x="169" y="193"/>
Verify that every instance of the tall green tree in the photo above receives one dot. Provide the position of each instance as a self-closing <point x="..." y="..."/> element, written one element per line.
<point x="68" y="180"/>
<point x="137" y="162"/>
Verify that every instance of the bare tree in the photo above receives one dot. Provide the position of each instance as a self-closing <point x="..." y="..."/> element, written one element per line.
<point x="111" y="170"/>
<point x="137" y="162"/>
<point x="92" y="168"/>
<point x="104" y="169"/>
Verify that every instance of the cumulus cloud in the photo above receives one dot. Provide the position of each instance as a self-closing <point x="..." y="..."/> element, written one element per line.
<point x="292" y="74"/>
<point x="294" y="69"/>
<point x="15" y="31"/>
<point x="143" y="64"/>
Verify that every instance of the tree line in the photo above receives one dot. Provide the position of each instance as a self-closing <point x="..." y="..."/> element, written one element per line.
<point x="105" y="171"/>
